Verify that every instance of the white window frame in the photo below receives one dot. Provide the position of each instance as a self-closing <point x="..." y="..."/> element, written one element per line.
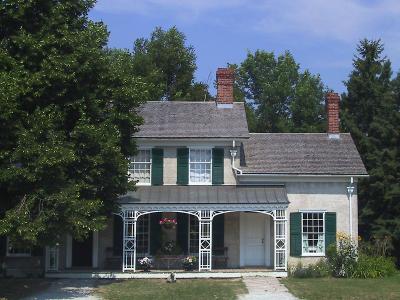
<point x="323" y="233"/>
<point x="211" y="163"/>
<point x="131" y="173"/>
<point x="26" y="254"/>
<point x="196" y="242"/>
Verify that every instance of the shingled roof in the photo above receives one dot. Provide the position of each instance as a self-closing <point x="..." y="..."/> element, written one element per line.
<point x="178" y="119"/>
<point x="310" y="153"/>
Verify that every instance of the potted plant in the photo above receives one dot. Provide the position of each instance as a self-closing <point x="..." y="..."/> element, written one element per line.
<point x="189" y="263"/>
<point x="168" y="223"/>
<point x="145" y="263"/>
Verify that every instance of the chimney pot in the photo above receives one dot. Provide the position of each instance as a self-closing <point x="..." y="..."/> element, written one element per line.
<point x="225" y="80"/>
<point x="332" y="113"/>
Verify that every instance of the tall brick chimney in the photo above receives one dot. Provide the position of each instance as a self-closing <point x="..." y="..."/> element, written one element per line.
<point x="332" y="113"/>
<point x="225" y="78"/>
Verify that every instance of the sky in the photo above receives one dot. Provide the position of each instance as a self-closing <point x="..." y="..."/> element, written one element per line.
<point x="322" y="35"/>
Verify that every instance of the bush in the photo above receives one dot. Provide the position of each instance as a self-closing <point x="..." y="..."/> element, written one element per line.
<point x="374" y="267"/>
<point x="320" y="269"/>
<point x="343" y="257"/>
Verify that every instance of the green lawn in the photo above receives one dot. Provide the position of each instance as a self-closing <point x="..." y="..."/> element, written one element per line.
<point x="17" y="288"/>
<point x="182" y="289"/>
<point x="334" y="288"/>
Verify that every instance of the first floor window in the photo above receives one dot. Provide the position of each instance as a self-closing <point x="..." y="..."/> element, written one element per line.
<point x="142" y="235"/>
<point x="140" y="167"/>
<point x="193" y="235"/>
<point x="17" y="251"/>
<point x="200" y="166"/>
<point x="313" y="235"/>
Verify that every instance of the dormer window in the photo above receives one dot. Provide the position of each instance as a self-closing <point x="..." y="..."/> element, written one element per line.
<point x="140" y="167"/>
<point x="200" y="165"/>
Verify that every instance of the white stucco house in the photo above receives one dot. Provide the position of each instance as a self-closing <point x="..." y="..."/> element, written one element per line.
<point x="240" y="199"/>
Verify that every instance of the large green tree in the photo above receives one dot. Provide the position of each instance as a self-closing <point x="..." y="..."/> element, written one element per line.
<point x="370" y="111"/>
<point x="166" y="61"/>
<point x="282" y="97"/>
<point x="67" y="114"/>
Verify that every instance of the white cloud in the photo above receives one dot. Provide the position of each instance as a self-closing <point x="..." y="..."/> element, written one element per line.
<point x="344" y="20"/>
<point x="339" y="19"/>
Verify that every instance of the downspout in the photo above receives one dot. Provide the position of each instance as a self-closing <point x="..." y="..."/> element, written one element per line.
<point x="233" y="155"/>
<point x="350" y="191"/>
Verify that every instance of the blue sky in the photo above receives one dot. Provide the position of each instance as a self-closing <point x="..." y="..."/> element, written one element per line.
<point x="321" y="34"/>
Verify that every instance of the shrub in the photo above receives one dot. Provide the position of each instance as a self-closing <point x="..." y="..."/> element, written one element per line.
<point x="320" y="269"/>
<point x="376" y="246"/>
<point x="343" y="257"/>
<point x="374" y="267"/>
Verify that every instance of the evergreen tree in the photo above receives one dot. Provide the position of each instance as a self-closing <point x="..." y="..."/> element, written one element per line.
<point x="370" y="113"/>
<point x="283" y="98"/>
<point x="67" y="114"/>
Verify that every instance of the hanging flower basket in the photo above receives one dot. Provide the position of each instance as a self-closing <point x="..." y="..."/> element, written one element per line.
<point x="168" y="223"/>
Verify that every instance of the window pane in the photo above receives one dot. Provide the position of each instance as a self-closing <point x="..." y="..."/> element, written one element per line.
<point x="140" y="166"/>
<point x="313" y="233"/>
<point x="200" y="165"/>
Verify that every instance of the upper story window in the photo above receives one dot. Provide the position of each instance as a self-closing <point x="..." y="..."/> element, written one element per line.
<point x="140" y="167"/>
<point x="313" y="234"/>
<point x="200" y="162"/>
<point x="17" y="251"/>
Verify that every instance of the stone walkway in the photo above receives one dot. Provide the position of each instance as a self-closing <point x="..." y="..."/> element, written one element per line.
<point x="265" y="288"/>
<point x="75" y="289"/>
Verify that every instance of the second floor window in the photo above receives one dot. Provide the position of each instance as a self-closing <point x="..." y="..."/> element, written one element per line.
<point x="200" y="166"/>
<point x="140" y="167"/>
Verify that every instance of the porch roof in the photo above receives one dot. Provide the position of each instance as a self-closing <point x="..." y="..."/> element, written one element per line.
<point x="196" y="194"/>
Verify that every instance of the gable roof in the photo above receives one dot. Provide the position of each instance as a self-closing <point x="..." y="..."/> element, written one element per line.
<point x="179" y="119"/>
<point x="296" y="153"/>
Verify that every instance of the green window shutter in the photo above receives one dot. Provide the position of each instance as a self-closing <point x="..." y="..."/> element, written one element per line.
<point x="182" y="234"/>
<point x="295" y="234"/>
<point x="218" y="228"/>
<point x="157" y="158"/>
<point x="330" y="229"/>
<point x="218" y="166"/>
<point x="118" y="226"/>
<point x="182" y="161"/>
<point x="155" y="233"/>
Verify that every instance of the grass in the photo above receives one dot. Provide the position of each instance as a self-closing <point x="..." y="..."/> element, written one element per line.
<point x="182" y="289"/>
<point x="335" y="288"/>
<point x="17" y="288"/>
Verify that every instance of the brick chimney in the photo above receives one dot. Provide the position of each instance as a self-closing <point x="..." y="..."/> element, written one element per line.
<point x="332" y="113"/>
<point x="225" y="78"/>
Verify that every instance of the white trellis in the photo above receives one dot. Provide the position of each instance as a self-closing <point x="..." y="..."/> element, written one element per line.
<point x="205" y="218"/>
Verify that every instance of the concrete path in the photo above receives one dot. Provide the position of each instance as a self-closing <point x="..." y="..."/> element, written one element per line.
<point x="68" y="289"/>
<point x="265" y="288"/>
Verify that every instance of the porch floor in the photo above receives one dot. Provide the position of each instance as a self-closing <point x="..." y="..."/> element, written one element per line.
<point x="163" y="274"/>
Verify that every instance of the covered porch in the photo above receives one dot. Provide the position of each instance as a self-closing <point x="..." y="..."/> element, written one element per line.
<point x="255" y="217"/>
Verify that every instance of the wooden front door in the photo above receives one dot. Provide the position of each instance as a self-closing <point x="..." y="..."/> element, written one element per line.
<point x="254" y="239"/>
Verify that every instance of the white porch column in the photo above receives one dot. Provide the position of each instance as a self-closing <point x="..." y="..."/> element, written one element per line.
<point x="129" y="241"/>
<point x="280" y="240"/>
<point x="205" y="240"/>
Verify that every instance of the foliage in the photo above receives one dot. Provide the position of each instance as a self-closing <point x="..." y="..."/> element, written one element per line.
<point x="342" y="257"/>
<point x="370" y="111"/>
<point x="67" y="113"/>
<point x="284" y="98"/>
<point x="170" y="248"/>
<point x="165" y="61"/>
<point x="168" y="221"/>
<point x="374" y="267"/>
<point x="189" y="263"/>
<point x="319" y="269"/>
<point x="376" y="246"/>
